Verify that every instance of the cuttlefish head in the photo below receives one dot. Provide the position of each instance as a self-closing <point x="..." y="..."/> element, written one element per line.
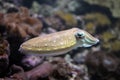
<point x="84" y="39"/>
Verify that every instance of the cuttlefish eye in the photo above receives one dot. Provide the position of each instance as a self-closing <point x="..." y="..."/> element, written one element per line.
<point x="80" y="35"/>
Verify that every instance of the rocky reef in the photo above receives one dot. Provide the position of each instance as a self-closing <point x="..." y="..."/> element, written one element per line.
<point x="21" y="20"/>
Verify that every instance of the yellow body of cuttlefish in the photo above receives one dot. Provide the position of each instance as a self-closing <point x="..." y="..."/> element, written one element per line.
<point x="58" y="43"/>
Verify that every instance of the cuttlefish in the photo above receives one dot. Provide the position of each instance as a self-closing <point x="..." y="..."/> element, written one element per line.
<point x="58" y="43"/>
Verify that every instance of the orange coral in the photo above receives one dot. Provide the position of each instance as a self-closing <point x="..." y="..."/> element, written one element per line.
<point x="21" y="23"/>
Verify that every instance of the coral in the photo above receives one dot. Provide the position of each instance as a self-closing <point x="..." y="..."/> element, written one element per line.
<point x="61" y="20"/>
<point x="98" y="18"/>
<point x="110" y="41"/>
<point x="30" y="61"/>
<point x="17" y="27"/>
<point x="65" y="70"/>
<point x="68" y="5"/>
<point x="115" y="45"/>
<point x="107" y="36"/>
<point x="35" y="7"/>
<point x="55" y="23"/>
<point x="4" y="5"/>
<point x="41" y="71"/>
<point x="21" y="24"/>
<point x="106" y="45"/>
<point x="96" y="22"/>
<point x="90" y="27"/>
<point x="41" y="9"/>
<point x="102" y="66"/>
<point x="68" y="18"/>
<point x="4" y="56"/>
<point x="80" y="57"/>
<point x="17" y="73"/>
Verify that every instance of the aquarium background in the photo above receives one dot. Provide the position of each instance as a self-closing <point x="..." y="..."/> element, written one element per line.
<point x="21" y="20"/>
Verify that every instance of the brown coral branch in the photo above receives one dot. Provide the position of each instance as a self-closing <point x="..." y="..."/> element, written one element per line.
<point x="20" y="23"/>
<point x="40" y="71"/>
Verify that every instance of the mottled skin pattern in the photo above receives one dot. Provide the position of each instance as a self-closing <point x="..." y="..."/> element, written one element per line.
<point x="54" y="43"/>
